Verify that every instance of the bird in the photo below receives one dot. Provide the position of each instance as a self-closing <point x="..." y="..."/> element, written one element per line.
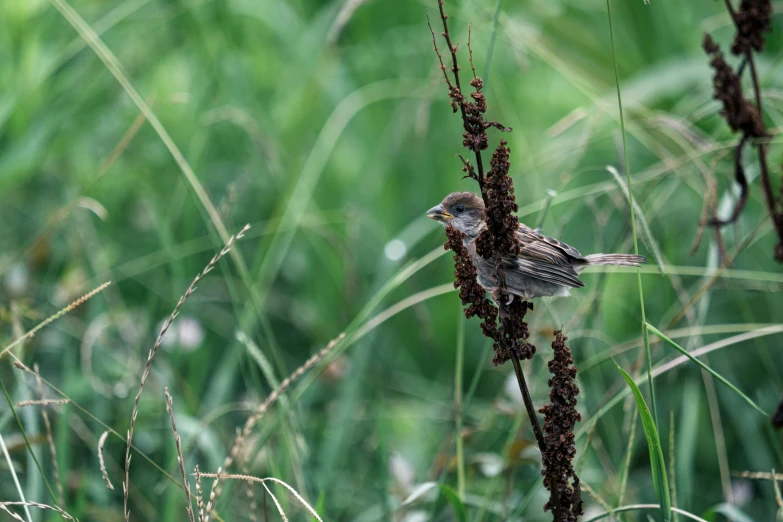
<point x="544" y="266"/>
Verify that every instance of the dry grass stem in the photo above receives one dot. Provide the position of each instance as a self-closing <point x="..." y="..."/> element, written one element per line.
<point x="261" y="410"/>
<point x="277" y="504"/>
<point x="4" y="506"/>
<point x="105" y="475"/>
<point x="199" y="496"/>
<point x="147" y="366"/>
<point x="11" y="513"/>
<point x="212" y="494"/>
<point x="758" y="475"/>
<point x="50" y="441"/>
<point x="56" y="316"/>
<point x="251" y="498"/>
<point x="42" y="402"/>
<point x="19" y="365"/>
<point x="778" y="496"/>
<point x="250" y="478"/>
<point x="180" y="458"/>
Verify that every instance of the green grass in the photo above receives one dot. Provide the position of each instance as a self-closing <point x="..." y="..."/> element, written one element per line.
<point x="136" y="135"/>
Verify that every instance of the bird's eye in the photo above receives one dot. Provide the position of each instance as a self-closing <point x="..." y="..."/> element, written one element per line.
<point x="459" y="209"/>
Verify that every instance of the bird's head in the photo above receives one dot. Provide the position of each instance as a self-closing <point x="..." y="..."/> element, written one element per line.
<point x="462" y="210"/>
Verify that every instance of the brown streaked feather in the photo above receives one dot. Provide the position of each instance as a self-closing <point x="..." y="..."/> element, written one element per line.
<point x="545" y="258"/>
<point x="548" y="249"/>
<point x="558" y="274"/>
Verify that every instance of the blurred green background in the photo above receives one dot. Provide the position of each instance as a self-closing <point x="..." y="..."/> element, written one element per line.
<point x="326" y="126"/>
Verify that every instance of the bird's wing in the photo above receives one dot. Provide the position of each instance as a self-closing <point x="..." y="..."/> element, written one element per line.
<point x="547" y="249"/>
<point x="544" y="258"/>
<point x="564" y="275"/>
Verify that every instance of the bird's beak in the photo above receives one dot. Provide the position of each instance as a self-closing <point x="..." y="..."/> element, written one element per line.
<point x="438" y="214"/>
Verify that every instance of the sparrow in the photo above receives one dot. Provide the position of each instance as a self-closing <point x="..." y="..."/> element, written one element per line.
<point x="544" y="266"/>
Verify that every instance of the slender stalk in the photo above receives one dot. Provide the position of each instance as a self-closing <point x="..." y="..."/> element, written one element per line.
<point x="769" y="197"/>
<point x="27" y="442"/>
<point x="11" y="468"/>
<point x="645" y="335"/>
<point x="531" y="413"/>
<point x="627" y="460"/>
<point x="491" y="47"/>
<point x="458" y="407"/>
<point x="531" y="410"/>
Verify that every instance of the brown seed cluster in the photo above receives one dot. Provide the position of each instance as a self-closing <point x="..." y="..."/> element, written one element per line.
<point x="510" y="337"/>
<point x="502" y="223"/>
<point x="475" y="135"/>
<point x="739" y="113"/>
<point x="560" y="417"/>
<point x="513" y="333"/>
<point x="753" y="19"/>
<point x="470" y="292"/>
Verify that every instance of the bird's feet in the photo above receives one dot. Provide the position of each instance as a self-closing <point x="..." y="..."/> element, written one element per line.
<point x="497" y="296"/>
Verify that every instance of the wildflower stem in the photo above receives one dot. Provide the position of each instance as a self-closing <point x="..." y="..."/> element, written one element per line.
<point x="531" y="410"/>
<point x="458" y="407"/>
<point x="531" y="413"/>
<point x="645" y="335"/>
<point x="769" y="197"/>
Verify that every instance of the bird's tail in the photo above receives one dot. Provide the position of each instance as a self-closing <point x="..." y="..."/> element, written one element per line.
<point x="615" y="259"/>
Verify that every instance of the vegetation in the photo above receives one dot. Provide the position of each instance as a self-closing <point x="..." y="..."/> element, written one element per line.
<point x="136" y="138"/>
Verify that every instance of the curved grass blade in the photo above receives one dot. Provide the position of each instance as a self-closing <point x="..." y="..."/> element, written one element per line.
<point x="638" y="507"/>
<point x="730" y="511"/>
<point x="456" y="503"/>
<point x="703" y="366"/>
<point x="451" y="496"/>
<point x="657" y="462"/>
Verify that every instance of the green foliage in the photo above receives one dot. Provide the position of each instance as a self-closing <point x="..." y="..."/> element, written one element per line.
<point x="325" y="125"/>
<point x="657" y="463"/>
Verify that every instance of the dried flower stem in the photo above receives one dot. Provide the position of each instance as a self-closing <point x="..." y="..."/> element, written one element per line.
<point x="251" y="499"/>
<point x="4" y="507"/>
<point x="251" y="478"/>
<point x="180" y="458"/>
<point x="212" y="494"/>
<point x="199" y="496"/>
<point x="148" y="365"/>
<point x="499" y="239"/>
<point x="758" y="475"/>
<point x="56" y="316"/>
<point x="531" y="413"/>
<point x="104" y="473"/>
<point x="560" y="419"/>
<point x="42" y="402"/>
<point x="752" y="20"/>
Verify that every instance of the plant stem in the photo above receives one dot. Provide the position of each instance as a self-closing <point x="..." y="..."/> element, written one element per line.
<point x="27" y="443"/>
<point x="531" y="413"/>
<point x="458" y="407"/>
<point x="531" y="410"/>
<point x="645" y="335"/>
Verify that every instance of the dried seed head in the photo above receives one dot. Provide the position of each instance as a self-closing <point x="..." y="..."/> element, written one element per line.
<point x="470" y="292"/>
<point x="739" y="113"/>
<point x="560" y="418"/>
<point x="753" y="19"/>
<point x="501" y="221"/>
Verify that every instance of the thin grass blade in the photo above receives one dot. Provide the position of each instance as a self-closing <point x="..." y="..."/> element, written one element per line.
<point x="657" y="462"/>
<point x="703" y="366"/>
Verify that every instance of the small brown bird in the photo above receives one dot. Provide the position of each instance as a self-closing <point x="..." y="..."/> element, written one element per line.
<point x="544" y="266"/>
